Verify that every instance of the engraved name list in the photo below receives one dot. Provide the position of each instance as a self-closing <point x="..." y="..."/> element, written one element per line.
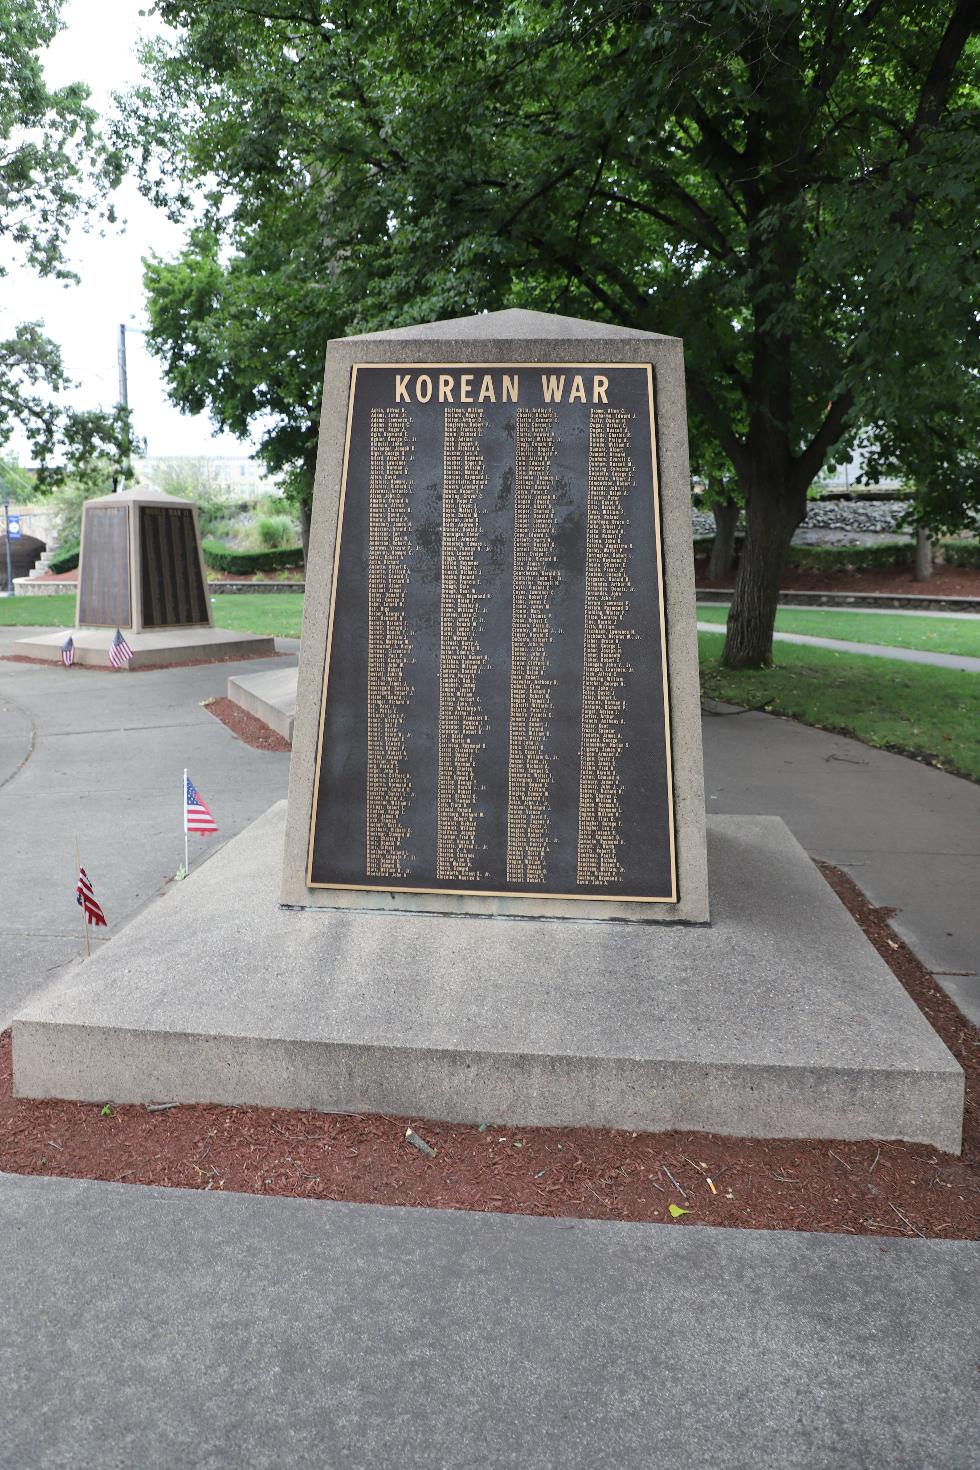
<point x="495" y="705"/>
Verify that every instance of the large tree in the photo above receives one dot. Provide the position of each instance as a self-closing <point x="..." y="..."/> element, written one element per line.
<point x="54" y="168"/>
<point x="787" y="184"/>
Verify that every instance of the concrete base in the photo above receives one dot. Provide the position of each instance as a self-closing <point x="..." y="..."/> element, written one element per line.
<point x="270" y="696"/>
<point x="169" y="646"/>
<point x="777" y="1020"/>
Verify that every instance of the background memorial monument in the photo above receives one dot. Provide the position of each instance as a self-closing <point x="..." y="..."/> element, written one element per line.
<point x="497" y="723"/>
<point x="141" y="569"/>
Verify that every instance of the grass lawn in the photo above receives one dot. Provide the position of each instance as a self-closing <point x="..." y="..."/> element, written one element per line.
<point x="894" y="630"/>
<point x="919" y="710"/>
<point x="277" y="613"/>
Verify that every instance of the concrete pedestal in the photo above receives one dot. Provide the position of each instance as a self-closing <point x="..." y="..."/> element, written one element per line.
<point x="270" y="696"/>
<point x="778" y="1019"/>
<point x="168" y="646"/>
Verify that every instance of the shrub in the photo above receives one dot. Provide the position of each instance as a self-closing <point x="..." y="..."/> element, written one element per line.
<point x="840" y="558"/>
<point x="230" y="559"/>
<point x="275" y="532"/>
<point x="961" y="553"/>
<point x="66" y="559"/>
<point x="852" y="558"/>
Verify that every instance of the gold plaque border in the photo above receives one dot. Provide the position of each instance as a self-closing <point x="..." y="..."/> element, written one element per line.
<point x="467" y="892"/>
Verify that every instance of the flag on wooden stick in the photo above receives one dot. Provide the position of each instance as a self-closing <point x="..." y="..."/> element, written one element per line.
<point x="85" y="897"/>
<point x="119" y="651"/>
<point x="68" y="652"/>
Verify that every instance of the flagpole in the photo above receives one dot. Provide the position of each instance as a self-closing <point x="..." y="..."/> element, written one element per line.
<point x="183" y="799"/>
<point x="78" y="865"/>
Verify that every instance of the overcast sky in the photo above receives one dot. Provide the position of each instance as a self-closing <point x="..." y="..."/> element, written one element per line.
<point x="97" y="47"/>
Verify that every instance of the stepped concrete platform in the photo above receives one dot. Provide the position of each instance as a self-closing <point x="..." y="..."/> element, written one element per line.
<point x="270" y="696"/>
<point x="150" y="650"/>
<point x="778" y="1019"/>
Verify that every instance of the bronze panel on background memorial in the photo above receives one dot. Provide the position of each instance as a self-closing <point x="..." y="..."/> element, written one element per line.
<point x="495" y="705"/>
<point x="103" y="585"/>
<point x="172" y="586"/>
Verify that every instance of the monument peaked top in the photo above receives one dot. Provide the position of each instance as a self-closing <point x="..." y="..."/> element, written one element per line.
<point x="513" y="324"/>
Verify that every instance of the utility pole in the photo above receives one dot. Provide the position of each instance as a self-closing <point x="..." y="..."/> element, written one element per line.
<point x="123" y="383"/>
<point x="121" y="359"/>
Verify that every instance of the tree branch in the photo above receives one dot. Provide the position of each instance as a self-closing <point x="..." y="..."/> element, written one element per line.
<point x="719" y="248"/>
<point x="807" y="466"/>
<point x="935" y="89"/>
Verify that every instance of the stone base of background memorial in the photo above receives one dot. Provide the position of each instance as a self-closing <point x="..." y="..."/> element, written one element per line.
<point x="778" y="1020"/>
<point x="150" y="650"/>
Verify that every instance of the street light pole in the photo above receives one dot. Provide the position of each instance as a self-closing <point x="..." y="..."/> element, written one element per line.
<point x="6" y="532"/>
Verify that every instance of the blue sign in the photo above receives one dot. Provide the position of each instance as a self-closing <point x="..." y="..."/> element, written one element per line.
<point x="13" y="527"/>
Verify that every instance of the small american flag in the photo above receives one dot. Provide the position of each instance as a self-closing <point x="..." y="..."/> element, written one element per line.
<point x="87" y="900"/>
<point x="197" y="816"/>
<point x="119" y="651"/>
<point x="68" y="652"/>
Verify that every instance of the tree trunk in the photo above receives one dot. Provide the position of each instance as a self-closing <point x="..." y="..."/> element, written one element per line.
<point x="923" y="555"/>
<point x="722" y="556"/>
<point x="304" y="531"/>
<point x="771" y="517"/>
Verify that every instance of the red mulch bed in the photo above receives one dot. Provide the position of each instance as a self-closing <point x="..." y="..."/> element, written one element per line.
<point x="886" y="1189"/>
<point x="249" y="728"/>
<point x="897" y="581"/>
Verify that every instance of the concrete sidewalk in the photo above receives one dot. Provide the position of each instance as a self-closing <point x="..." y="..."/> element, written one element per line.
<point x="101" y="754"/>
<point x="873" y="650"/>
<point x="909" y="835"/>
<point x="170" y="1327"/>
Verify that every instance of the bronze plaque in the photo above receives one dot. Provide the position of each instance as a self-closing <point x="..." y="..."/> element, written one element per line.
<point x="495" y="706"/>
<point x="172" y="587"/>
<point x="103" y="585"/>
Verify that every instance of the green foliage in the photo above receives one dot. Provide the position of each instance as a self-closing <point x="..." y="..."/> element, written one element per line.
<point x="838" y="558"/>
<point x="231" y="559"/>
<point x="931" y="713"/>
<point x="852" y="558"/>
<point x="54" y="167"/>
<point x="66" y="559"/>
<point x="961" y="553"/>
<point x="789" y="187"/>
<point x="274" y="532"/>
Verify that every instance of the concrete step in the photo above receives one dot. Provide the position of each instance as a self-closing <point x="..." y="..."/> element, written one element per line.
<point x="270" y="696"/>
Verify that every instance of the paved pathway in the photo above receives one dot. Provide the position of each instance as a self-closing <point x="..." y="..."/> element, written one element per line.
<point x="102" y="755"/>
<point x="162" y="1328"/>
<point x="873" y="650"/>
<point x="908" y="834"/>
